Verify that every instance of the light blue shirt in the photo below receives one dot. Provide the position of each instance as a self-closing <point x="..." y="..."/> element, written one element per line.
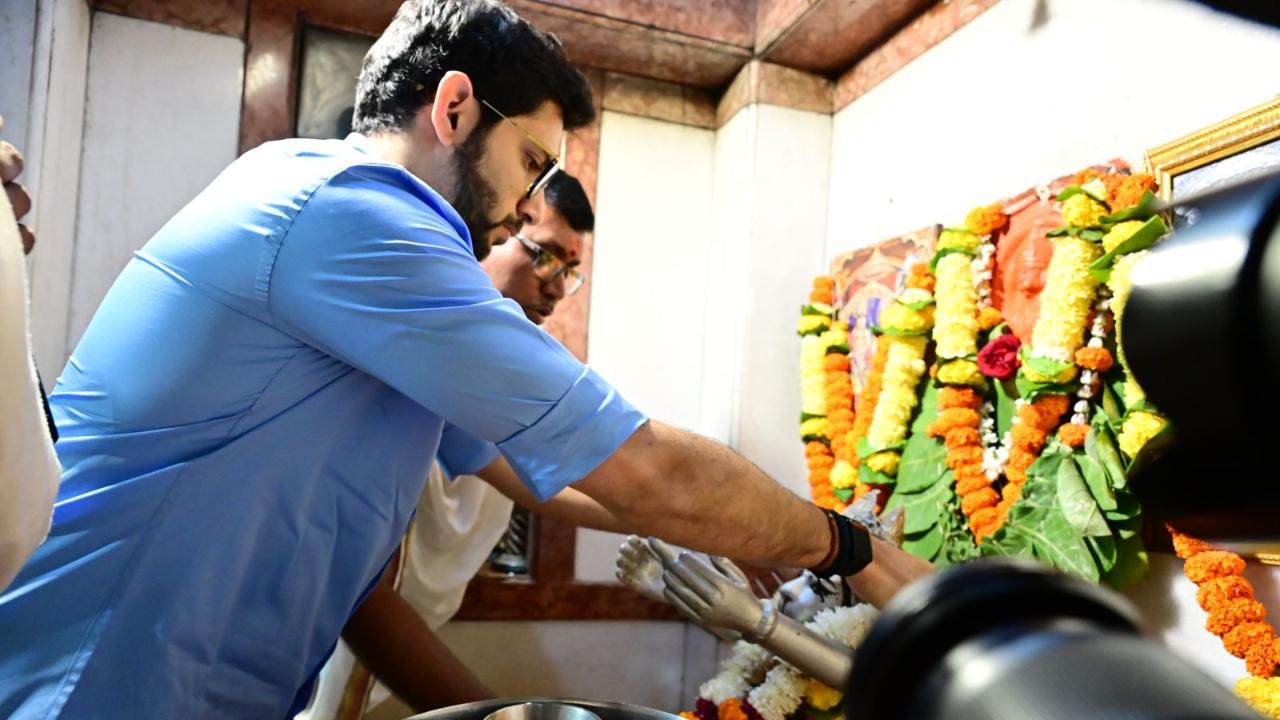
<point x="247" y="425"/>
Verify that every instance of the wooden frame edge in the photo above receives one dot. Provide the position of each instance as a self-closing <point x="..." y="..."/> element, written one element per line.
<point x="1253" y="127"/>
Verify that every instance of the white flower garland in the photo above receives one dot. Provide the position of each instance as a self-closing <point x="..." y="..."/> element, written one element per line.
<point x="984" y="270"/>
<point x="783" y="688"/>
<point x="1097" y="332"/>
<point x="745" y="661"/>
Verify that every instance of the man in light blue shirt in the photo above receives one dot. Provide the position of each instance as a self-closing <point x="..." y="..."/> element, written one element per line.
<point x="248" y="421"/>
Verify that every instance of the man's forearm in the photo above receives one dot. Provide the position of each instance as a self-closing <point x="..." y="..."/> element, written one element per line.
<point x="568" y="505"/>
<point x="400" y="650"/>
<point x="891" y="569"/>
<point x="698" y="493"/>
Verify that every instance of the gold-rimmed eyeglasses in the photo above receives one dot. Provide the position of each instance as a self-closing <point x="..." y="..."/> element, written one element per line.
<point x="552" y="165"/>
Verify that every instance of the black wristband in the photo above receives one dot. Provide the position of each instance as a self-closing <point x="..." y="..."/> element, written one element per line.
<point x="853" y="548"/>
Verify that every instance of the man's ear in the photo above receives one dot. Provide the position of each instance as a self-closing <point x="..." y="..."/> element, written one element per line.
<point x="455" y="112"/>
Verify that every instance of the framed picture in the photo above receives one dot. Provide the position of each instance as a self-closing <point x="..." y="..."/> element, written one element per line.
<point x="327" y="87"/>
<point x="1227" y="152"/>
<point x="869" y="278"/>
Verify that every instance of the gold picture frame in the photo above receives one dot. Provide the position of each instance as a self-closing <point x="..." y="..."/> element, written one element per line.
<point x="1254" y="129"/>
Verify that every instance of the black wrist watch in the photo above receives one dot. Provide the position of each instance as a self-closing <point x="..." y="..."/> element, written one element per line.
<point x="853" y="548"/>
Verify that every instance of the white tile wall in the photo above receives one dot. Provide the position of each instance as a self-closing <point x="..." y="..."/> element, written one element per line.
<point x="649" y="280"/>
<point x="55" y="129"/>
<point x="634" y="662"/>
<point x="788" y="221"/>
<point x="145" y="154"/>
<point x="17" y="52"/>
<point x="1018" y="97"/>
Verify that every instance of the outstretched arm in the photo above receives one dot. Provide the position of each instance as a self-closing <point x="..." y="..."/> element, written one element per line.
<point x="568" y="505"/>
<point x="694" y="492"/>
<point x="697" y="493"/>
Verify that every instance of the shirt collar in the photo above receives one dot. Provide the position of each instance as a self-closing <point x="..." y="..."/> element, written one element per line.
<point x="359" y="142"/>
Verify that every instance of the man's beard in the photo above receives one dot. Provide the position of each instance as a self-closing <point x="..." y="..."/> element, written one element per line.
<point x="476" y="197"/>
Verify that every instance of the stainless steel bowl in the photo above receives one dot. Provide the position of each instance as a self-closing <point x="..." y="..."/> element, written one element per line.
<point x="600" y="709"/>
<point x="542" y="711"/>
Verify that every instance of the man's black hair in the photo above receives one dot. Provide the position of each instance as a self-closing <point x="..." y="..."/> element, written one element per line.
<point x="512" y="65"/>
<point x="565" y="195"/>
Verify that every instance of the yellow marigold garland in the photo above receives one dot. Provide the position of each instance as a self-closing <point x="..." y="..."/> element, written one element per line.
<point x="956" y="319"/>
<point x="819" y="695"/>
<point x="1140" y="426"/>
<point x="812" y="379"/>
<point x="1262" y="694"/>
<point x="1119" y="233"/>
<point x="1082" y="210"/>
<point x="1138" y="429"/>
<point x="904" y="327"/>
<point x="1065" y="303"/>
<point x="904" y="366"/>
<point x="865" y="405"/>
<point x="1121" y="285"/>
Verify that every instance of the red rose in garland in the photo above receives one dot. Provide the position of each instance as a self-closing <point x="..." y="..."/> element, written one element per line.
<point x="999" y="359"/>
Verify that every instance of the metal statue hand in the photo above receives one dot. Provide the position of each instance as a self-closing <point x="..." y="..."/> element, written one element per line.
<point x="887" y="527"/>
<point x="713" y="592"/>
<point x="639" y="569"/>
<point x="806" y="596"/>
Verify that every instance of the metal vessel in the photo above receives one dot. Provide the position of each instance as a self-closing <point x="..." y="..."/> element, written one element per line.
<point x="603" y="710"/>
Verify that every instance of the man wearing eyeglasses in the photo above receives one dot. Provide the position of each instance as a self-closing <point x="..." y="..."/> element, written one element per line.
<point x="247" y="423"/>
<point x="539" y="267"/>
<point x="460" y="517"/>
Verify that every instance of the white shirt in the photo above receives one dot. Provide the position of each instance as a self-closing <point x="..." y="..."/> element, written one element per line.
<point x="449" y="540"/>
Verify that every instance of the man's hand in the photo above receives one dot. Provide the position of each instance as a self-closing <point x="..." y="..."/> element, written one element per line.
<point x="10" y="167"/>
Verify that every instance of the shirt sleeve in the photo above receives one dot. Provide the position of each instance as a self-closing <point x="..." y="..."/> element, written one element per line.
<point x="462" y="453"/>
<point x="376" y="272"/>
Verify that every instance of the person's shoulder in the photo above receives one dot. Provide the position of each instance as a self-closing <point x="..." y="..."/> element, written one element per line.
<point x="355" y="184"/>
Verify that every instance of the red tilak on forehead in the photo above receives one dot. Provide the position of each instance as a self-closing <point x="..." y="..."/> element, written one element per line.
<point x="573" y="253"/>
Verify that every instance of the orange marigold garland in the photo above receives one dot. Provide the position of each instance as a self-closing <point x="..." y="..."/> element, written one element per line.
<point x="840" y="416"/>
<point x="1031" y="428"/>
<point x="731" y="709"/>
<point x="826" y="396"/>
<point x="957" y="424"/>
<point x="1235" y="615"/>
<point x="815" y="322"/>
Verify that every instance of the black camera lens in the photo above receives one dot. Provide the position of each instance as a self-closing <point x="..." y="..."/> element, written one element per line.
<point x="998" y="639"/>
<point x="1201" y="334"/>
